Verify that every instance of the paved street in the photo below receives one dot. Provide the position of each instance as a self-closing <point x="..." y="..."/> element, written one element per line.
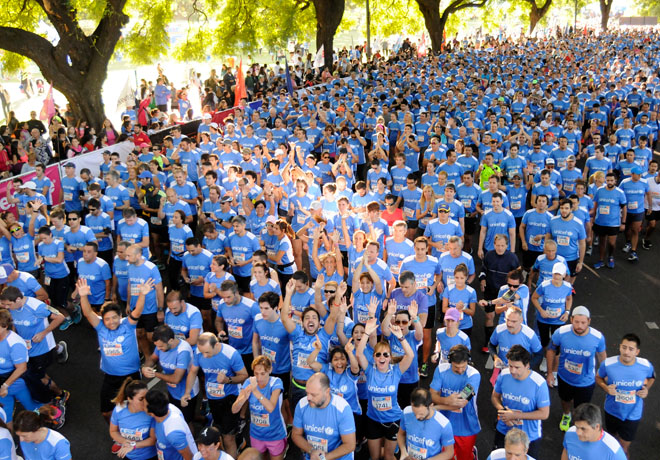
<point x="621" y="301"/>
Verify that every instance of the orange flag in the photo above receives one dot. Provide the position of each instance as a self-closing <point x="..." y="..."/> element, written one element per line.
<point x="240" y="91"/>
<point x="48" y="108"/>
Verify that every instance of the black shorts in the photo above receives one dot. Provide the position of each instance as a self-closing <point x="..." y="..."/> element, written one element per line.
<point x="247" y="362"/>
<point x="200" y="302"/>
<point x="286" y="382"/>
<point x="545" y="332"/>
<point x="243" y="283"/>
<point x="377" y="430"/>
<point x="471" y="225"/>
<point x="655" y="215"/>
<point x="430" y="319"/>
<point x="625" y="429"/>
<point x="223" y="418"/>
<point x="188" y="411"/>
<point x="412" y="223"/>
<point x="636" y="217"/>
<point x="529" y="257"/>
<point x="148" y="322"/>
<point x="37" y="365"/>
<point x="603" y="230"/>
<point x="578" y="395"/>
<point x="572" y="267"/>
<point x="110" y="387"/>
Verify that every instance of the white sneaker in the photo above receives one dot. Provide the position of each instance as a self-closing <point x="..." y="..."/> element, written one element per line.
<point x="543" y="367"/>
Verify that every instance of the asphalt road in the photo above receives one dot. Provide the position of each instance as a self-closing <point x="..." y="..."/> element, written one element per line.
<point x="621" y="300"/>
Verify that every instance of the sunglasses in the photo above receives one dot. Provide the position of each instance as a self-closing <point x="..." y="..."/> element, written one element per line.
<point x="72" y="218"/>
<point x="329" y="291"/>
<point x="383" y="354"/>
<point x="513" y="286"/>
<point x="14" y="230"/>
<point x="401" y="322"/>
<point x="92" y="209"/>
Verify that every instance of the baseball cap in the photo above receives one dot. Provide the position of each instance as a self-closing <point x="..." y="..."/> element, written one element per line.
<point x="581" y="310"/>
<point x="30" y="185"/>
<point x="69" y="165"/>
<point x="559" y="268"/>
<point x="279" y="152"/>
<point x="214" y="125"/>
<point x="227" y="142"/>
<point x="143" y="145"/>
<point x="226" y="199"/>
<point x="316" y="205"/>
<point x="633" y="170"/>
<point x="550" y="161"/>
<point x="145" y="175"/>
<point x="206" y="116"/>
<point x="443" y="208"/>
<point x="453" y="314"/>
<point x="570" y="157"/>
<point x="5" y="271"/>
<point x="209" y="436"/>
<point x="271" y="219"/>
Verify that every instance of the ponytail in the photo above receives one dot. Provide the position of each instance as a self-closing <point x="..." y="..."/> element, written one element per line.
<point x="128" y="390"/>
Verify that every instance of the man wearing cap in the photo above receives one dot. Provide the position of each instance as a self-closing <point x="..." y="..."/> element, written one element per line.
<point x="610" y="203"/>
<point x="638" y="197"/>
<point x="204" y="126"/>
<point x="323" y="422"/>
<point x="578" y="345"/>
<point x="72" y="189"/>
<point x="440" y="229"/>
<point x="208" y="443"/>
<point x="27" y="195"/>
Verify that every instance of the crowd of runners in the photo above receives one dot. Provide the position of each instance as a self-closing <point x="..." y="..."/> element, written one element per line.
<point x="296" y="273"/>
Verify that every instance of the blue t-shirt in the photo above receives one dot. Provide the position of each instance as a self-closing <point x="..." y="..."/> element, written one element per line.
<point x="23" y="249"/>
<point x="606" y="448"/>
<point x="51" y="269"/>
<point x="228" y="362"/>
<point x="466" y="421"/>
<point x="497" y="223"/>
<point x="553" y="301"/>
<point x="178" y="358"/>
<point x="302" y="346"/>
<point x="55" y="446"/>
<point x="264" y="425"/>
<point x="635" y="194"/>
<point x="178" y="237"/>
<point x="577" y="354"/>
<point x="608" y="206"/>
<point x="382" y="389"/>
<point x="135" y="233"/>
<point x="629" y="379"/>
<point x="120" y="271"/>
<point x="173" y="435"/>
<point x="134" y="427"/>
<point x="536" y="225"/>
<point x="96" y="273"/>
<point x="543" y="266"/>
<point x="242" y="249"/>
<point x="567" y="235"/>
<point x="119" y="349"/>
<point x="439" y="232"/>
<point x="504" y="340"/>
<point x="139" y="274"/>
<point x="411" y="375"/>
<point x="198" y="266"/>
<point x="467" y="295"/>
<point x="118" y="195"/>
<point x="426" y="438"/>
<point x="184" y="322"/>
<point x="446" y="342"/>
<point x="323" y="428"/>
<point x="275" y="343"/>
<point x="525" y="395"/>
<point x="96" y="224"/>
<point x="29" y="320"/>
<point x="239" y="319"/>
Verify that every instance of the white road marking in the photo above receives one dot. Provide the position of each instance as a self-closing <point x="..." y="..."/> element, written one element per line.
<point x="652" y="325"/>
<point x="153" y="382"/>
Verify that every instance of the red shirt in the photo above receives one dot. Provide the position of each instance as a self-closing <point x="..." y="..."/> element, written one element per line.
<point x="390" y="218"/>
<point x="141" y="138"/>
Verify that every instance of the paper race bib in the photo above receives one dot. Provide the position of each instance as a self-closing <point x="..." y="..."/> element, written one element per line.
<point x="569" y="187"/>
<point x="215" y="303"/>
<point x="180" y="336"/>
<point x="573" y="368"/>
<point x="563" y="240"/>
<point x="515" y="205"/>
<point x="269" y="353"/>
<point x="235" y="332"/>
<point x="381" y="403"/>
<point x="68" y="196"/>
<point x="318" y="443"/>
<point x="632" y="205"/>
<point x="177" y="248"/>
<point x="450" y="281"/>
<point x="425" y="220"/>
<point x="135" y="290"/>
<point x="21" y="211"/>
<point x="270" y="254"/>
<point x="155" y="220"/>
<point x="418" y="453"/>
<point x="604" y="210"/>
<point x="112" y="349"/>
<point x="466" y="202"/>
<point x="553" y="312"/>
<point x="215" y="389"/>
<point x="130" y="434"/>
<point x="625" y="396"/>
<point x="362" y="316"/>
<point x="398" y="187"/>
<point x="131" y="192"/>
<point x="238" y="257"/>
<point x="161" y="455"/>
<point x="22" y="257"/>
<point x="302" y="361"/>
<point x="261" y="420"/>
<point x="410" y="214"/>
<point x="301" y="218"/>
<point x="28" y="344"/>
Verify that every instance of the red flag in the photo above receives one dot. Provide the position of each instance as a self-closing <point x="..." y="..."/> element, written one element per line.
<point x="240" y="91"/>
<point x="48" y="109"/>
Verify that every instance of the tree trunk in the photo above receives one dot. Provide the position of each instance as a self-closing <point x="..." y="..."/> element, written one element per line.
<point x="78" y="65"/>
<point x="536" y="13"/>
<point x="435" y="25"/>
<point x="605" y="8"/>
<point x="328" y="17"/>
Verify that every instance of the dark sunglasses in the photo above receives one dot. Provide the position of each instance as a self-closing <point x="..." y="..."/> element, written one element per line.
<point x="92" y="209"/>
<point x="383" y="354"/>
<point x="72" y="218"/>
<point x="329" y="291"/>
<point x="14" y="230"/>
<point x="513" y="286"/>
<point x="402" y="322"/>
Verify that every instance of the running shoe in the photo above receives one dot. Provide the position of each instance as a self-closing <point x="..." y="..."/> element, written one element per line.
<point x="424" y="370"/>
<point x="627" y="248"/>
<point x="610" y="262"/>
<point x="77" y="314"/>
<point x="58" y="418"/>
<point x="565" y="423"/>
<point x="646" y="245"/>
<point x="61" y="400"/>
<point x="543" y="367"/>
<point x="116" y="447"/>
<point x="485" y="350"/>
<point x="633" y="256"/>
<point x="589" y="250"/>
<point x="598" y="265"/>
<point x="63" y="356"/>
<point x="66" y="324"/>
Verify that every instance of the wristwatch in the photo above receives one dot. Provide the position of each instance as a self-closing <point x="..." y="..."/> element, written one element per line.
<point x="133" y="444"/>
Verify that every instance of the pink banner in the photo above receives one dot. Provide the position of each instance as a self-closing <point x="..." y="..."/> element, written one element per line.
<point x="52" y="172"/>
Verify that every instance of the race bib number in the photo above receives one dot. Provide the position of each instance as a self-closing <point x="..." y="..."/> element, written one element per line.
<point x="450" y="281"/>
<point x="569" y="187"/>
<point x="112" y="349"/>
<point x="398" y="187"/>
<point x="28" y="344"/>
<point x="261" y="420"/>
<point x="135" y="290"/>
<point x="318" y="443"/>
<point x="235" y="332"/>
<point x="625" y="396"/>
<point x="270" y="353"/>
<point x="563" y="240"/>
<point x="131" y="192"/>
<point x="180" y="336"/>
<point x="535" y="240"/>
<point x="270" y="254"/>
<point x="215" y="390"/>
<point x="301" y="218"/>
<point x="155" y="220"/>
<point x="573" y="368"/>
<point x="632" y="205"/>
<point x="177" y="248"/>
<point x="161" y="455"/>
<point x="362" y="316"/>
<point x="381" y="403"/>
<point x="604" y="210"/>
<point x="394" y="269"/>
<point x="302" y="361"/>
<point x="21" y="211"/>
<point x="410" y="214"/>
<point x="215" y="303"/>
<point x="553" y="312"/>
<point x="515" y="205"/>
<point x="466" y="202"/>
<point x="425" y="220"/>
<point x="418" y="453"/>
<point x="239" y="257"/>
<point x="68" y="196"/>
<point x="130" y="434"/>
<point x="47" y="280"/>
<point x="22" y="257"/>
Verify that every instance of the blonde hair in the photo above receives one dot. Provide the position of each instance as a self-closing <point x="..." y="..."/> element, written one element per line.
<point x="422" y="200"/>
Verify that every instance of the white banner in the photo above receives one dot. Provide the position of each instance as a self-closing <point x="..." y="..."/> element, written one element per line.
<point x="93" y="159"/>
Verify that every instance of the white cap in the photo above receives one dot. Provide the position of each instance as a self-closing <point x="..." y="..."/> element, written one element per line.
<point x="271" y="219"/>
<point x="315" y="205"/>
<point x="206" y="116"/>
<point x="213" y="125"/>
<point x="30" y="185"/>
<point x="581" y="310"/>
<point x="559" y="267"/>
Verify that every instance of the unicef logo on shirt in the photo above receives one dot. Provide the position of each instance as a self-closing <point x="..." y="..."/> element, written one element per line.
<point x="524" y="400"/>
<point x="391" y="388"/>
<point x="429" y="442"/>
<point x="2" y="360"/>
<point x="586" y="353"/>
<point x="120" y="339"/>
<point x="343" y="388"/>
<point x="240" y="321"/>
<point x="638" y="383"/>
<point x="329" y="430"/>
